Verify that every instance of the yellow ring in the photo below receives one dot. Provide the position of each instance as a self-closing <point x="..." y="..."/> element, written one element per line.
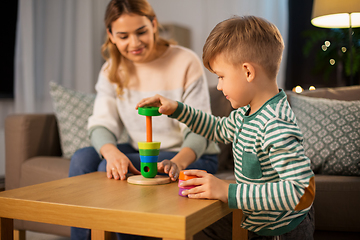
<point x="149" y="145"/>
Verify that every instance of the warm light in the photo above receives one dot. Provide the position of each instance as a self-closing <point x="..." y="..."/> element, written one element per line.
<point x="343" y="49"/>
<point x="327" y="43"/>
<point x="340" y="20"/>
<point x="335" y="13"/>
<point x="311" y="88"/>
<point x="297" y="89"/>
<point x="332" y="61"/>
<point x="324" y="48"/>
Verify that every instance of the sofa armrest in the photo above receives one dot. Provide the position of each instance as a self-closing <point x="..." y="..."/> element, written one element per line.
<point x="27" y="136"/>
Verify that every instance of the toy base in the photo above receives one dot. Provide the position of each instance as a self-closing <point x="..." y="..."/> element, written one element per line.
<point x="140" y="180"/>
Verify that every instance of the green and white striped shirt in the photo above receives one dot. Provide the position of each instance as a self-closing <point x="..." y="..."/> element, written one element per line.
<point x="274" y="182"/>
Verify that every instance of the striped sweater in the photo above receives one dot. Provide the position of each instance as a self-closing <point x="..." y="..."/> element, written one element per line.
<point x="275" y="185"/>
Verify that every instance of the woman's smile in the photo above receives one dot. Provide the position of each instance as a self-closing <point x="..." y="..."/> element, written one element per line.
<point x="137" y="51"/>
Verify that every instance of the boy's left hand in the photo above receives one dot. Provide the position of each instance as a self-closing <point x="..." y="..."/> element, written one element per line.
<point x="170" y="168"/>
<point x="208" y="186"/>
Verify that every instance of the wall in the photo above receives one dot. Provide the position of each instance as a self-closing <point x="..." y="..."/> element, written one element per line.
<point x="201" y="16"/>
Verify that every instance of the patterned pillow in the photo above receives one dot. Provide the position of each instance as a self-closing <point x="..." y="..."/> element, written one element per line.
<point x="72" y="110"/>
<point x="331" y="130"/>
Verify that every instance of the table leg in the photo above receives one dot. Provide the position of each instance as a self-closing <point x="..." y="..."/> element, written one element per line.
<point x="238" y="232"/>
<point x="6" y="229"/>
<point x="100" y="235"/>
<point x="19" y="234"/>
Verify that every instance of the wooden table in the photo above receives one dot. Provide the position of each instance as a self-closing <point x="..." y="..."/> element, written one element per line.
<point x="103" y="205"/>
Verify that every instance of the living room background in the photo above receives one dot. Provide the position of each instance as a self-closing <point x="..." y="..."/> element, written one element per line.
<point x="60" y="41"/>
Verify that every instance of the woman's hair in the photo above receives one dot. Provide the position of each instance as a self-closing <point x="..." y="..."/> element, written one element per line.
<point x="109" y="50"/>
<point x="246" y="39"/>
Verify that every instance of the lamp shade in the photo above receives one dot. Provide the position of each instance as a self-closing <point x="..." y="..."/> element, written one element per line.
<point x="335" y="13"/>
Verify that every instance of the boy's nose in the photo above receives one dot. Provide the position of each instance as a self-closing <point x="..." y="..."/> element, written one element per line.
<point x="219" y="86"/>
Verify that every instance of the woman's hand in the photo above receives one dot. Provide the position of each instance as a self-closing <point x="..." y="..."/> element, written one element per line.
<point x="118" y="163"/>
<point x="170" y="168"/>
<point x="166" y="106"/>
<point x="208" y="186"/>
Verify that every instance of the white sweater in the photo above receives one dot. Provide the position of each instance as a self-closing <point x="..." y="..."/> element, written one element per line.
<point x="178" y="74"/>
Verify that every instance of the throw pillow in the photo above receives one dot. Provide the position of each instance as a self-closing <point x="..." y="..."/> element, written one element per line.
<point x="331" y="130"/>
<point x="72" y="110"/>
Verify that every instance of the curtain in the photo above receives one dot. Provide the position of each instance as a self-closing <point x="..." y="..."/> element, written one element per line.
<point x="56" y="41"/>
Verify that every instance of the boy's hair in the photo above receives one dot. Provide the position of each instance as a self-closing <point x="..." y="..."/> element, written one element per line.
<point x="246" y="39"/>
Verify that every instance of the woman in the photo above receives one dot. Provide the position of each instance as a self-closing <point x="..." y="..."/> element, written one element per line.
<point x="139" y="64"/>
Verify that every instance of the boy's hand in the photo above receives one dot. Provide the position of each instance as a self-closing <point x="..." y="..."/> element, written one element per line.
<point x="208" y="186"/>
<point x="170" y="168"/>
<point x="166" y="106"/>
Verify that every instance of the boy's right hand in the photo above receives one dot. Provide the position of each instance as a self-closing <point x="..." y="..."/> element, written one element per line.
<point x="207" y="186"/>
<point x="166" y="106"/>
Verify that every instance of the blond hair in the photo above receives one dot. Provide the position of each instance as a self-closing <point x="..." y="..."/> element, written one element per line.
<point x="246" y="39"/>
<point x="110" y="52"/>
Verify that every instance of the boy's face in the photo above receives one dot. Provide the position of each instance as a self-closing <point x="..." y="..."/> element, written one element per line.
<point x="232" y="81"/>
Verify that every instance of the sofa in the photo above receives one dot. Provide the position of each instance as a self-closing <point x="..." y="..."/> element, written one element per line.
<point x="35" y="154"/>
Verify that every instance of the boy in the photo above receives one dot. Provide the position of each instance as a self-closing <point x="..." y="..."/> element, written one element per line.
<point x="275" y="186"/>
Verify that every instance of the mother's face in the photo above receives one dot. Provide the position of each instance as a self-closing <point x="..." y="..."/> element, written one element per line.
<point x="133" y="35"/>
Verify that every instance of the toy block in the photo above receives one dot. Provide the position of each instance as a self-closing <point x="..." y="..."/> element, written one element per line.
<point x="149" y="152"/>
<point x="149" y="145"/>
<point x="182" y="178"/>
<point x="149" y="159"/>
<point x="180" y="192"/>
<point x="148" y="170"/>
<point x="185" y="187"/>
<point x="149" y="111"/>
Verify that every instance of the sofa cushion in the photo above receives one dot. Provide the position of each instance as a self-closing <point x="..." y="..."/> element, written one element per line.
<point x="331" y="130"/>
<point x="43" y="169"/>
<point x="72" y="110"/>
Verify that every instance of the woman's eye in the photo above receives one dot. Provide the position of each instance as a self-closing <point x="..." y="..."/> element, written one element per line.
<point x="142" y="32"/>
<point x="123" y="37"/>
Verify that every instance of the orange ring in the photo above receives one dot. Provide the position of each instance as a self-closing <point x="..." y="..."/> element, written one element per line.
<point x="184" y="177"/>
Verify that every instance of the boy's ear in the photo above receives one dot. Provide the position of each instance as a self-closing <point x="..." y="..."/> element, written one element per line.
<point x="249" y="71"/>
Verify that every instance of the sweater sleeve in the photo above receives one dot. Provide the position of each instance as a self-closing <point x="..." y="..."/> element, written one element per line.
<point x="100" y="136"/>
<point x="194" y="141"/>
<point x="213" y="128"/>
<point x="105" y="111"/>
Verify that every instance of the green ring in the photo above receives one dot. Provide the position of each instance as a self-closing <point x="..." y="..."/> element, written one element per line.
<point x="149" y="111"/>
<point x="149" y="152"/>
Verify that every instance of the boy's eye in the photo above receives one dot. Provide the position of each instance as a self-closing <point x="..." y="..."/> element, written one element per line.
<point x="220" y="77"/>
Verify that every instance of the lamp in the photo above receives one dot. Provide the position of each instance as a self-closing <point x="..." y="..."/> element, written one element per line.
<point x="337" y="14"/>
